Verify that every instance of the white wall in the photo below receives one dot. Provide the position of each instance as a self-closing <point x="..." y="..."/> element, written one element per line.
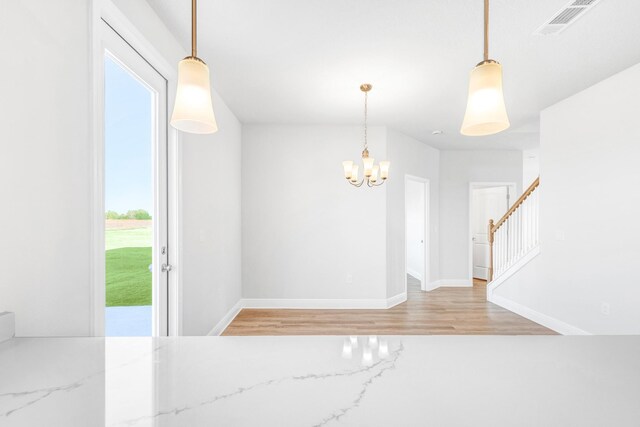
<point x="457" y="170"/>
<point x="211" y="200"/>
<point x="212" y="236"/>
<point x="589" y="212"/>
<point x="304" y="227"/>
<point x="415" y="218"/>
<point x="409" y="157"/>
<point x="530" y="166"/>
<point x="44" y="166"/>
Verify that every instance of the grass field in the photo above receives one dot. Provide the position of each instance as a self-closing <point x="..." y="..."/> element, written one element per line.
<point x="128" y="255"/>
<point x="128" y="277"/>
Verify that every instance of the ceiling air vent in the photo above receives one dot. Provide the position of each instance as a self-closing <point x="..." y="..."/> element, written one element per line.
<point x="565" y="17"/>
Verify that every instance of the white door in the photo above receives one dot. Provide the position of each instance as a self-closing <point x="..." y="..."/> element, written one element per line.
<point x="415" y="217"/>
<point x="488" y="203"/>
<point x="135" y="192"/>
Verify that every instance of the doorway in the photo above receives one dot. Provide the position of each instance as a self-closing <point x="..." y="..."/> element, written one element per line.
<point x="134" y="165"/>
<point x="416" y="233"/>
<point x="488" y="201"/>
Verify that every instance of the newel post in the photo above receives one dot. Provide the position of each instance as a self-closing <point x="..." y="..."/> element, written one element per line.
<point x="490" y="234"/>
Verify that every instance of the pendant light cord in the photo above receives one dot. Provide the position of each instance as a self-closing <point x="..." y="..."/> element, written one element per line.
<point x="194" y="26"/>
<point x="486" y="30"/>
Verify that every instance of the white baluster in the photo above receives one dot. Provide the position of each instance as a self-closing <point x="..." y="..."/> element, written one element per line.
<point x="525" y="225"/>
<point x="518" y="234"/>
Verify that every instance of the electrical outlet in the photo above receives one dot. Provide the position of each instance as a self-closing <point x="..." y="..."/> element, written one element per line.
<point x="605" y="309"/>
<point x="349" y="279"/>
<point x="560" y="235"/>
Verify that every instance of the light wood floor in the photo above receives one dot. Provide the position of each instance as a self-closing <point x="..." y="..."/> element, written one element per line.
<point x="444" y="311"/>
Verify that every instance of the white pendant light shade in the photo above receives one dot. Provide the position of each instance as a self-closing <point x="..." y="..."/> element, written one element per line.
<point x="374" y="173"/>
<point x="368" y="165"/>
<point x="384" y="169"/>
<point x="193" y="109"/>
<point x="486" y="113"/>
<point x="354" y="173"/>
<point x="348" y="167"/>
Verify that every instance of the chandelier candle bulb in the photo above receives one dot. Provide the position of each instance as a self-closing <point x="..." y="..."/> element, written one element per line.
<point x="368" y="165"/>
<point x="384" y="169"/>
<point x="374" y="173"/>
<point x="354" y="173"/>
<point x="348" y="167"/>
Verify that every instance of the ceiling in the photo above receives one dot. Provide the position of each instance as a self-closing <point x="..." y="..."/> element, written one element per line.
<point x="302" y="61"/>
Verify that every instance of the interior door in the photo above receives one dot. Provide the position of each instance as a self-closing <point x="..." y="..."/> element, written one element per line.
<point x="488" y="203"/>
<point x="415" y="217"/>
<point x="135" y="189"/>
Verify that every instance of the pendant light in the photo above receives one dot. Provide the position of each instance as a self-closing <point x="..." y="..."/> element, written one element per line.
<point x="193" y="109"/>
<point x="373" y="175"/>
<point x="486" y="113"/>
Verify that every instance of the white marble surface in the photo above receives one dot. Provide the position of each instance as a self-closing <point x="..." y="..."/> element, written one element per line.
<point x="310" y="381"/>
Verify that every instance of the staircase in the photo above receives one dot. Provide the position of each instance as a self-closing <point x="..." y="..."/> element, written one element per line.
<point x="514" y="239"/>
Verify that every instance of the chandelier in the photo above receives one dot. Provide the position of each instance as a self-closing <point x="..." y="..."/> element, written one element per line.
<point x="374" y="175"/>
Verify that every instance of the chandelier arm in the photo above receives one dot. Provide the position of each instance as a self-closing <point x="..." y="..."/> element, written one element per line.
<point x="358" y="184"/>
<point x="376" y="185"/>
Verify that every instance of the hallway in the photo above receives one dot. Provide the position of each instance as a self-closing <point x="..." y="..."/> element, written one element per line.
<point x="444" y="311"/>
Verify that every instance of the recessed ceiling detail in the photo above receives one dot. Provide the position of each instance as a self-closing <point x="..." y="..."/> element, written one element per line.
<point x="565" y="17"/>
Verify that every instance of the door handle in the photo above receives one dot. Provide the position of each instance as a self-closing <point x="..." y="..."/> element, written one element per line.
<point x="166" y="268"/>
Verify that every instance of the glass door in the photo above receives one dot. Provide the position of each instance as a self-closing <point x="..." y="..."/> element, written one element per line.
<point x="135" y="192"/>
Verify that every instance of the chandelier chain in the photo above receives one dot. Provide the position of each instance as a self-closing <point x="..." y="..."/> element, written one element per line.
<point x="366" y="146"/>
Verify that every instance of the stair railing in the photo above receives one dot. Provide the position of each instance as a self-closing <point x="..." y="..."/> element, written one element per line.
<point x="516" y="233"/>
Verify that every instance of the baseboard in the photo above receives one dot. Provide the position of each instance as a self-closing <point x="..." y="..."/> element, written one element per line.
<point x="512" y="270"/>
<point x="414" y="274"/>
<point x="317" y="304"/>
<point x="450" y="283"/>
<point x="397" y="299"/>
<point x="7" y="326"/>
<point x="535" y="316"/>
<point x="227" y="319"/>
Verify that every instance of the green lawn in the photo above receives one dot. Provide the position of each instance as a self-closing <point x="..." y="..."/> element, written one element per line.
<point x="128" y="255"/>
<point x="128" y="277"/>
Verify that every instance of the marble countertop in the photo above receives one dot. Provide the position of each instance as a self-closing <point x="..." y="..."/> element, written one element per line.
<point x="321" y="381"/>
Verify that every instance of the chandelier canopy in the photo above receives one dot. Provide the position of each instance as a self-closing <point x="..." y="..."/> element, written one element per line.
<point x="373" y="175"/>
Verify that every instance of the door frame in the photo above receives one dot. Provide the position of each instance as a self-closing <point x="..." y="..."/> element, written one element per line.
<point x="476" y="186"/>
<point x="426" y="275"/>
<point x="104" y="11"/>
